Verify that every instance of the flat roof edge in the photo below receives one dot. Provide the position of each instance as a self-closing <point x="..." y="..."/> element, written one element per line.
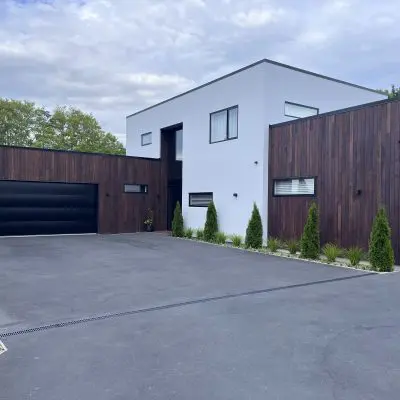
<point x="267" y="61"/>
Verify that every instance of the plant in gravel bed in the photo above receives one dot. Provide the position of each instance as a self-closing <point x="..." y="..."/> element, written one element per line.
<point x="211" y="225"/>
<point x="331" y="252"/>
<point x="354" y="254"/>
<point x="273" y="244"/>
<point x="177" y="222"/>
<point x="220" y="238"/>
<point x="381" y="256"/>
<point x="254" y="231"/>
<point x="236" y="240"/>
<point x="188" y="233"/>
<point x="310" y="244"/>
<point x="293" y="246"/>
<point x="200" y="234"/>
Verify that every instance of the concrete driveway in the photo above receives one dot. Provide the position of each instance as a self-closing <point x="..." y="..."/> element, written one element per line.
<point x="146" y="316"/>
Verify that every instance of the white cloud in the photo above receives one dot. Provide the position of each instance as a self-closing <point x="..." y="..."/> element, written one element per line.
<point x="257" y="17"/>
<point x="113" y="57"/>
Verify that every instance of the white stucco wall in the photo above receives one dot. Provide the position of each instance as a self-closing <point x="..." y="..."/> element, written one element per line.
<point x="229" y="167"/>
<point x="223" y="168"/>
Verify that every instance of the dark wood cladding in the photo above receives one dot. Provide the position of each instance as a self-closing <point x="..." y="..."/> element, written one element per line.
<point x="355" y="155"/>
<point x="118" y="211"/>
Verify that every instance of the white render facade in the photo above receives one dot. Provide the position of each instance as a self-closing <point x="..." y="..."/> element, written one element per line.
<point x="235" y="171"/>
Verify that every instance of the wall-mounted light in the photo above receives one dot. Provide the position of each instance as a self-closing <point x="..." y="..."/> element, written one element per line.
<point x="235" y="195"/>
<point x="359" y="191"/>
<point x="256" y="162"/>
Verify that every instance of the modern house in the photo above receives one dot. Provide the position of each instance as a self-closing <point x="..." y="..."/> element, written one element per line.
<point x="214" y="139"/>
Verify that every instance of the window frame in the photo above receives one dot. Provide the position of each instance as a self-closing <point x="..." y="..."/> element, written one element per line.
<point x="299" y="105"/>
<point x="291" y="179"/>
<point x="227" y="124"/>
<point x="200" y="193"/>
<point x="144" y="135"/>
<point x="145" y="185"/>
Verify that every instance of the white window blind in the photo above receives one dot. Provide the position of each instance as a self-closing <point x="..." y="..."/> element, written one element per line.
<point x="294" y="187"/>
<point x="218" y="126"/>
<point x="200" y="199"/>
<point x="135" y="188"/>
<point x="146" y="138"/>
<point x="299" y="111"/>
<point x="233" y="123"/>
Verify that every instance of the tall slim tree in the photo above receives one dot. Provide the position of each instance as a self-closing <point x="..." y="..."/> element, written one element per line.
<point x="254" y="231"/>
<point x="310" y="242"/>
<point x="381" y="254"/>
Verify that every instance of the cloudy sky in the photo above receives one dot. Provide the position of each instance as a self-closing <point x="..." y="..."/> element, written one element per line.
<point x="113" y="57"/>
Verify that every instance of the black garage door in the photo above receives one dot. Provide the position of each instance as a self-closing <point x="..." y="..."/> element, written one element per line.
<point x="43" y="208"/>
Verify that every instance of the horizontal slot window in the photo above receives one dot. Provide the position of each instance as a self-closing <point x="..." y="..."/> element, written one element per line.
<point x="146" y="139"/>
<point x="135" y="188"/>
<point x="224" y="125"/>
<point x="299" y="111"/>
<point x="200" y="199"/>
<point x="294" y="187"/>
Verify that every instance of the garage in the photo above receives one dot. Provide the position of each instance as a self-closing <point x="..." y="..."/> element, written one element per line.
<point x="45" y="208"/>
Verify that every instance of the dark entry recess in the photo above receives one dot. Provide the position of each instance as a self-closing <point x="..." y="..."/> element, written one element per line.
<point x="172" y="165"/>
<point x="45" y="208"/>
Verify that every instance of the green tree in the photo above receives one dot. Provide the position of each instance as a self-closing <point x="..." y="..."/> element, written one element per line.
<point x="72" y="129"/>
<point x="211" y="225"/>
<point x="310" y="243"/>
<point x="177" y="221"/>
<point x="21" y="122"/>
<point x="381" y="254"/>
<point x="393" y="93"/>
<point x="254" y="231"/>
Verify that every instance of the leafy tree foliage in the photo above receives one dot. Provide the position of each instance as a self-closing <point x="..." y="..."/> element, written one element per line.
<point x="23" y="123"/>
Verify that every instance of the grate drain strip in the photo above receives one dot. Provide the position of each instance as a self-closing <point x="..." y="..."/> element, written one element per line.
<point x="174" y="305"/>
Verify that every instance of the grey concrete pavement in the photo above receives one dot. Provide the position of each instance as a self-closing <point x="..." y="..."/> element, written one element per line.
<point x="49" y="279"/>
<point x="336" y="340"/>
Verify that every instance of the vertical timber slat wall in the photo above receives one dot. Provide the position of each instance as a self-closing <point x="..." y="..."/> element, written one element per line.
<point x="118" y="212"/>
<point x="348" y="151"/>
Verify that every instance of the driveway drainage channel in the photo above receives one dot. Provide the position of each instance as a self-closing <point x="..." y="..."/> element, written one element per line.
<point x="175" y="305"/>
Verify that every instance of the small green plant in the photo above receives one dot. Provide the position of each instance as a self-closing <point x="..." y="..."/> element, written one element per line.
<point x="188" y="233"/>
<point x="200" y="234"/>
<point x="310" y="244"/>
<point x="381" y="256"/>
<point x="354" y="254"/>
<point x="211" y="225"/>
<point x="293" y="246"/>
<point x="177" y="222"/>
<point x="331" y="252"/>
<point x="273" y="244"/>
<point x="220" y="238"/>
<point x="254" y="231"/>
<point x="236" y="240"/>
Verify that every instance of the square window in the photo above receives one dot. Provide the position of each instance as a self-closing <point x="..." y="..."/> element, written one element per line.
<point x="224" y="125"/>
<point x="146" y="138"/>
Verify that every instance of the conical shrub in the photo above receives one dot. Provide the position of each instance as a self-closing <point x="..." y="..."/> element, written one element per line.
<point x="310" y="243"/>
<point x="254" y="231"/>
<point x="381" y="254"/>
<point x="177" y="222"/>
<point x="211" y="225"/>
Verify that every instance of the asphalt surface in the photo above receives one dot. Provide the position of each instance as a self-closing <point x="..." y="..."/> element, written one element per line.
<point x="147" y="316"/>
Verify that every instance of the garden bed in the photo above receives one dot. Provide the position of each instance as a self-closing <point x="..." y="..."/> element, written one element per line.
<point x="340" y="261"/>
